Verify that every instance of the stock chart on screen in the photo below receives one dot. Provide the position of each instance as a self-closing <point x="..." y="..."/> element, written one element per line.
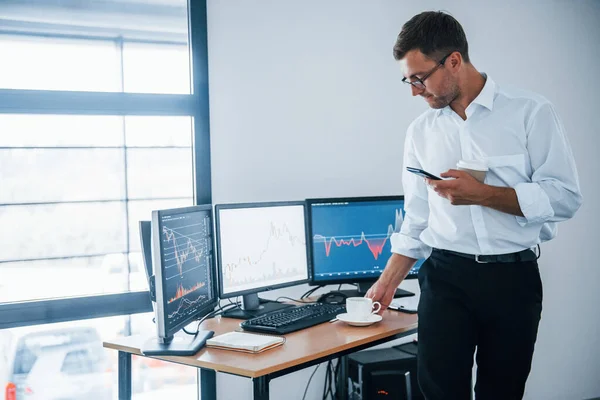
<point x="187" y="252"/>
<point x="262" y="247"/>
<point x="352" y="239"/>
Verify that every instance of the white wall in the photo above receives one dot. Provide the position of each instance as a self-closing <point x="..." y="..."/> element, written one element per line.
<point x="306" y="101"/>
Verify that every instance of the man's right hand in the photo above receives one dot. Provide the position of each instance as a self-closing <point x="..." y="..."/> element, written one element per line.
<point x="383" y="293"/>
<point x="384" y="289"/>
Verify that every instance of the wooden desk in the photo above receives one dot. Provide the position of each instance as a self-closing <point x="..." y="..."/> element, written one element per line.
<point x="302" y="349"/>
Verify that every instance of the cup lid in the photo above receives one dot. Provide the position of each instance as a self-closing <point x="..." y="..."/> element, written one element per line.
<point x="477" y="165"/>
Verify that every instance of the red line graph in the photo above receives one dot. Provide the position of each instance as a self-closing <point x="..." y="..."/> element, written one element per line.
<point x="375" y="245"/>
<point x="181" y="291"/>
<point x="181" y="255"/>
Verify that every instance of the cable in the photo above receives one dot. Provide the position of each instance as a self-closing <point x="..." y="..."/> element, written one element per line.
<point x="189" y="333"/>
<point x="337" y="377"/>
<point x="231" y="303"/>
<point x="327" y="388"/>
<point x="310" y="379"/>
<point x="539" y="252"/>
<point x="310" y="291"/>
<point x="199" y="322"/>
<point x="305" y="294"/>
<point x="294" y="300"/>
<point x="333" y="380"/>
<point x="237" y="302"/>
<point x="326" y="381"/>
<point x="211" y="314"/>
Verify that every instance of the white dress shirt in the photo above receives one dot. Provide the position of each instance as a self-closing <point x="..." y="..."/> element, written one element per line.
<point x="520" y="137"/>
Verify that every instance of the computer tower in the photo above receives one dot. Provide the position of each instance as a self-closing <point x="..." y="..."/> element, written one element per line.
<point x="383" y="374"/>
<point x="411" y="348"/>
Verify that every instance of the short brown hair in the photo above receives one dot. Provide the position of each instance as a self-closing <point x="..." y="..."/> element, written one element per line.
<point x="435" y="33"/>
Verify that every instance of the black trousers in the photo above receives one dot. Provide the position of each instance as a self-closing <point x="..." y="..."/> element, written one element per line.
<point x="494" y="308"/>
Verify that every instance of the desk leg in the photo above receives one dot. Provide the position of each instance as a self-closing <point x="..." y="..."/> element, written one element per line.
<point x="208" y="384"/>
<point x="343" y="383"/>
<point x="261" y="388"/>
<point x="124" y="376"/>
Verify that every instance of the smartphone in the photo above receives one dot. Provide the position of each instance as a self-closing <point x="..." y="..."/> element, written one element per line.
<point x="422" y="173"/>
<point x="405" y="304"/>
<point x="402" y="309"/>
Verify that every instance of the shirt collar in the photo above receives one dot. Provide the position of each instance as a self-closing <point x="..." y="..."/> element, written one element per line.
<point x="485" y="98"/>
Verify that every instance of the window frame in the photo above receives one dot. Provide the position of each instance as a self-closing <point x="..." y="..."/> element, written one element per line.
<point x="15" y="101"/>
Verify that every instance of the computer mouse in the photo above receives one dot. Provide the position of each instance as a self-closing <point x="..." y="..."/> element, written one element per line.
<point x="332" y="297"/>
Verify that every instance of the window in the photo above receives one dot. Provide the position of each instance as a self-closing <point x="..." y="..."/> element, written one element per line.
<point x="84" y="361"/>
<point x="39" y="63"/>
<point x="75" y="185"/>
<point x="74" y="189"/>
<point x="58" y="360"/>
<point x="96" y="46"/>
<point x="142" y="63"/>
<point x="99" y="125"/>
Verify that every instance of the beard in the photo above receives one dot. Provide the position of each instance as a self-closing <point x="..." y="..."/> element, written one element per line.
<point x="442" y="100"/>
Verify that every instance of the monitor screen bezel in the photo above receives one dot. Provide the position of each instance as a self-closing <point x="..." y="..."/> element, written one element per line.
<point x="341" y="280"/>
<point x="157" y="252"/>
<point x="257" y="290"/>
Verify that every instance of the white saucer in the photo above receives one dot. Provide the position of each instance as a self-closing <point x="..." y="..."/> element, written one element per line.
<point x="350" y="321"/>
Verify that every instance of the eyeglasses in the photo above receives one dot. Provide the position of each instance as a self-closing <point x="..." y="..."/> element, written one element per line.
<point x="419" y="82"/>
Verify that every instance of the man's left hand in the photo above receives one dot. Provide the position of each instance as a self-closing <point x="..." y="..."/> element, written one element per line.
<point x="461" y="191"/>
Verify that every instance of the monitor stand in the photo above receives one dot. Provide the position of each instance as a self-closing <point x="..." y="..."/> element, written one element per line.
<point x="363" y="288"/>
<point x="253" y="306"/>
<point x="180" y="345"/>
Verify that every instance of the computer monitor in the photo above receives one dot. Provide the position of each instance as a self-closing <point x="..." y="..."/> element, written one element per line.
<point x="185" y="277"/>
<point x="350" y="240"/>
<point x="145" y="230"/>
<point x="260" y="247"/>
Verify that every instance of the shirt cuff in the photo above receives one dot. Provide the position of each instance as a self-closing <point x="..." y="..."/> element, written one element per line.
<point x="534" y="203"/>
<point x="409" y="247"/>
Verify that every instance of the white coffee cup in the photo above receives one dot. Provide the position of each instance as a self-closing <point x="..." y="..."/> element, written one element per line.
<point x="476" y="168"/>
<point x="360" y="308"/>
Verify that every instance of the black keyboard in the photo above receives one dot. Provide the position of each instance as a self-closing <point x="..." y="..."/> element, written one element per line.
<point x="293" y="318"/>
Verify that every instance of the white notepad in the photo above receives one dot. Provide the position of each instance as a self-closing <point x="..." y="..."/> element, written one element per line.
<point x="242" y="341"/>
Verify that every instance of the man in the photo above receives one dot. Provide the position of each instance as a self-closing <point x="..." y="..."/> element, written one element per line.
<point x="480" y="285"/>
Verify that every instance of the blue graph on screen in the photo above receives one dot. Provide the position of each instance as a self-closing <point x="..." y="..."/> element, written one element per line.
<point x="352" y="240"/>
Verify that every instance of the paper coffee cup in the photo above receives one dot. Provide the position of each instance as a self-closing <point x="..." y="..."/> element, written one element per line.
<point x="477" y="169"/>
